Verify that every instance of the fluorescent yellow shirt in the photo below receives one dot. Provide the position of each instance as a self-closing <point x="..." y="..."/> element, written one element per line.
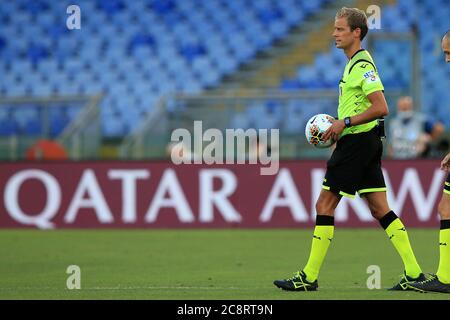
<point x="360" y="79"/>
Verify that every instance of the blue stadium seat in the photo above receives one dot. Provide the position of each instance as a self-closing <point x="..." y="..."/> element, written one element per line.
<point x="8" y="127"/>
<point x="57" y="124"/>
<point x="113" y="127"/>
<point x="111" y="7"/>
<point x="290" y="84"/>
<point x="294" y="121"/>
<point x="37" y="52"/>
<point x="32" y="127"/>
<point x="3" y="43"/>
<point x="17" y="89"/>
<point x="240" y="120"/>
<point x="5" y="113"/>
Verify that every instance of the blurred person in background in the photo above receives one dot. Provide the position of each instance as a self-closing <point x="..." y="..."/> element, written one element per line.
<point x="44" y="149"/>
<point x="179" y="152"/>
<point x="412" y="133"/>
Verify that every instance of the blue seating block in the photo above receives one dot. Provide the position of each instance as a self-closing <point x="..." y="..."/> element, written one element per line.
<point x="135" y="51"/>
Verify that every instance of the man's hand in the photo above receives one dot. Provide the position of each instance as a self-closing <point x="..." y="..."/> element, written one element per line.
<point x="445" y="164"/>
<point x="334" y="131"/>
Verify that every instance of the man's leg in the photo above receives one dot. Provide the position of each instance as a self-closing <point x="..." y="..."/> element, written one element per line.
<point x="441" y="281"/>
<point x="323" y="233"/>
<point x="396" y="231"/>
<point x="306" y="280"/>
<point x="443" y="272"/>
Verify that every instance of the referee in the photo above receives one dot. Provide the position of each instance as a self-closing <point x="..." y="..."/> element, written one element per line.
<point x="355" y="165"/>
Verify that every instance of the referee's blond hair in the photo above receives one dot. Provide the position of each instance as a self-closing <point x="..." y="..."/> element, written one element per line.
<point x="356" y="18"/>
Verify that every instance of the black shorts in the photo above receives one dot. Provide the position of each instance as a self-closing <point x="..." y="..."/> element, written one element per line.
<point x="355" y="165"/>
<point x="447" y="185"/>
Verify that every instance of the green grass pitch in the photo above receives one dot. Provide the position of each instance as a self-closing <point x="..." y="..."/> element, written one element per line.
<point x="201" y="264"/>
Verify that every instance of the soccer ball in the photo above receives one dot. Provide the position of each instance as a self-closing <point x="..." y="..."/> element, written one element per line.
<point x="316" y="127"/>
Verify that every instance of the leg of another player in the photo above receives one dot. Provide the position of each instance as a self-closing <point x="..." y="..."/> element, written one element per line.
<point x="443" y="272"/>
<point x="323" y="233"/>
<point x="395" y="229"/>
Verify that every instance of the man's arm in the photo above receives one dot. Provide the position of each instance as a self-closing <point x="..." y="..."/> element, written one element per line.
<point x="377" y="109"/>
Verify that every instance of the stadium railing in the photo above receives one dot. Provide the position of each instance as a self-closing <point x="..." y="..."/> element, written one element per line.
<point x="286" y="111"/>
<point x="80" y="136"/>
<point x="83" y="136"/>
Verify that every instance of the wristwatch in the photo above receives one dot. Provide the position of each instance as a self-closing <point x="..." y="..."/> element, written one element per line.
<point x="347" y="122"/>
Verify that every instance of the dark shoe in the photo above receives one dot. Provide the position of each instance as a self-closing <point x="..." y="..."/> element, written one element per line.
<point x="405" y="281"/>
<point x="430" y="285"/>
<point x="297" y="283"/>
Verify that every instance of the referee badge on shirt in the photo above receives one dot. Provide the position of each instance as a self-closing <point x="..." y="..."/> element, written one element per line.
<point x="370" y="76"/>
